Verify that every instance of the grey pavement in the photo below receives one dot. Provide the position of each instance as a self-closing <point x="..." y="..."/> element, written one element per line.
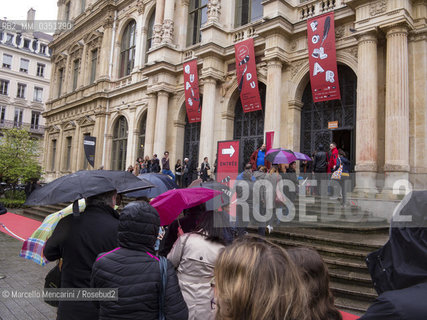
<point x="24" y="276"/>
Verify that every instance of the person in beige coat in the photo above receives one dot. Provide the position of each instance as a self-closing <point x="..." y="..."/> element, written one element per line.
<point x="194" y="255"/>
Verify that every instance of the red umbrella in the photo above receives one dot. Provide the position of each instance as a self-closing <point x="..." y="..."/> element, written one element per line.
<point x="171" y="203"/>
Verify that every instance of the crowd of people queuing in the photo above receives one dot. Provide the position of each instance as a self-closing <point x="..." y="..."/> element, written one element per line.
<point x="213" y="273"/>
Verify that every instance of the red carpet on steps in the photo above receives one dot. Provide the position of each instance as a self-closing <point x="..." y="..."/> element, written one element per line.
<point x="19" y="225"/>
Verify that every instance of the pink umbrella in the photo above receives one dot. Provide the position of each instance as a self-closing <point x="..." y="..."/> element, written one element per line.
<point x="302" y="156"/>
<point x="171" y="203"/>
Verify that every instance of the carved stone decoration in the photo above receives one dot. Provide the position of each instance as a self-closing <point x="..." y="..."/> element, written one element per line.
<point x="214" y="10"/>
<point x="157" y="34"/>
<point x="295" y="67"/>
<point x="228" y="82"/>
<point x="293" y="45"/>
<point x="377" y="7"/>
<point x="352" y="51"/>
<point x="167" y="31"/>
<point x="339" y="32"/>
<point x="141" y="6"/>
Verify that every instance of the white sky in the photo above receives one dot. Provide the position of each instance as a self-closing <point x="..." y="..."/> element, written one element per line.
<point x="17" y="9"/>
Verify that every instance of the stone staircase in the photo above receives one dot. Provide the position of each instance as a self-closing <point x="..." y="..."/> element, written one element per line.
<point x="41" y="212"/>
<point x="343" y="243"/>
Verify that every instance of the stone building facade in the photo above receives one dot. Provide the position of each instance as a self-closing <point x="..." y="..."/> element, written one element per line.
<point x="24" y="76"/>
<point x="118" y="76"/>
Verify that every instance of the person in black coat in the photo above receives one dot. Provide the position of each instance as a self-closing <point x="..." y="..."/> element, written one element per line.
<point x="320" y="167"/>
<point x="78" y="240"/>
<point x="134" y="269"/>
<point x="399" y="268"/>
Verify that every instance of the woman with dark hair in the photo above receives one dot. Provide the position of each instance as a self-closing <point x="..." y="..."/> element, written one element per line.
<point x="194" y="255"/>
<point x="314" y="274"/>
<point x="343" y="162"/>
<point x="178" y="173"/>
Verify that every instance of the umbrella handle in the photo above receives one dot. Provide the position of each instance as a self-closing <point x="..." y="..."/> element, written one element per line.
<point x="179" y="224"/>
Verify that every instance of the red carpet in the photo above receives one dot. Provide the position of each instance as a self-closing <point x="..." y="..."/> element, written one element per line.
<point x="21" y="226"/>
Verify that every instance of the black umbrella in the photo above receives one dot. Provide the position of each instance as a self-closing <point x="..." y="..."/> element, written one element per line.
<point x="219" y="201"/>
<point x="86" y="183"/>
<point x="161" y="182"/>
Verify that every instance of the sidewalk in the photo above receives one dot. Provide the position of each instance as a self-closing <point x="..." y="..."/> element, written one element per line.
<point x="22" y="275"/>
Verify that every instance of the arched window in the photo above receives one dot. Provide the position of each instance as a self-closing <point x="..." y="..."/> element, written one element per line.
<point x="150" y="34"/>
<point x="141" y="137"/>
<point x="127" y="49"/>
<point x="120" y="142"/>
<point x="197" y="16"/>
<point x="247" y="11"/>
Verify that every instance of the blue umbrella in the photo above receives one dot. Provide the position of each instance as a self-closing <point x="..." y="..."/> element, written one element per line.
<point x="161" y="182"/>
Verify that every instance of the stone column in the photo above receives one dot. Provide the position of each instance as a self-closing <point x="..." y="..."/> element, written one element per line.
<point x="294" y="124"/>
<point x="168" y="22"/>
<point x="58" y="159"/>
<point x="161" y="123"/>
<point x="158" y="22"/>
<point x="138" y="44"/>
<point x="132" y="138"/>
<point x="396" y="165"/>
<point x="273" y="100"/>
<point x="151" y="124"/>
<point x="104" y="54"/>
<point x="367" y="114"/>
<point x="208" y="120"/>
<point x="75" y="148"/>
<point x="84" y="68"/>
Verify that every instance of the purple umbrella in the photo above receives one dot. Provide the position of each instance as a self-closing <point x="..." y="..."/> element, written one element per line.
<point x="302" y="156"/>
<point x="277" y="156"/>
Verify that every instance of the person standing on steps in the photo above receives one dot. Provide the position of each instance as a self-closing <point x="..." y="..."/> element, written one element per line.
<point x="166" y="167"/>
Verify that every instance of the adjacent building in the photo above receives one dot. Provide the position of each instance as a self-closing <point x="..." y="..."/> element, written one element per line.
<point x="118" y="76"/>
<point x="24" y="76"/>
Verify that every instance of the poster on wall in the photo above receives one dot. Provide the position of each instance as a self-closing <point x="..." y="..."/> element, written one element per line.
<point x="191" y="87"/>
<point x="89" y="144"/>
<point x="322" y="58"/>
<point x="246" y="75"/>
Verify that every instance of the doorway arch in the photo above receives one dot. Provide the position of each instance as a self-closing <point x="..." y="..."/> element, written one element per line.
<point x="249" y="128"/>
<point x="316" y="116"/>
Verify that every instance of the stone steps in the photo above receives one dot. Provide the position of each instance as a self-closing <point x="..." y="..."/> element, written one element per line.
<point x="41" y="212"/>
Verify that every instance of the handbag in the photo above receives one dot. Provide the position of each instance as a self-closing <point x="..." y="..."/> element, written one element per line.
<point x="163" y="264"/>
<point x="336" y="175"/>
<point x="53" y="281"/>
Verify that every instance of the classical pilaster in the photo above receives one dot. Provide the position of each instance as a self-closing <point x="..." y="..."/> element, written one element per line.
<point x="59" y="159"/>
<point x="150" y="128"/>
<point x="158" y="22"/>
<point x="105" y="50"/>
<point x="75" y="148"/>
<point x="396" y="107"/>
<point x="139" y="39"/>
<point x="273" y="100"/>
<point x="84" y="71"/>
<point x="132" y="138"/>
<point x="161" y="123"/>
<point x="168" y="22"/>
<point x="208" y="120"/>
<point x="294" y="124"/>
<point x="367" y="114"/>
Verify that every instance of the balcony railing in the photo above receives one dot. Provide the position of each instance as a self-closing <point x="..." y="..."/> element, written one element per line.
<point x="8" y="124"/>
<point x="310" y="9"/>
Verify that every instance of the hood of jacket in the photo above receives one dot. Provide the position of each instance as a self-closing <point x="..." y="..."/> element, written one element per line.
<point x="401" y="262"/>
<point x="138" y="226"/>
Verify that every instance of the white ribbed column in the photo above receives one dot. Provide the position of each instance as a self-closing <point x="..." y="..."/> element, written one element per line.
<point x="367" y="114"/>
<point x="161" y="123"/>
<point x="158" y="22"/>
<point x="273" y="100"/>
<point x="208" y="120"/>
<point x="396" y="107"/>
<point x="168" y="22"/>
<point x="151" y="121"/>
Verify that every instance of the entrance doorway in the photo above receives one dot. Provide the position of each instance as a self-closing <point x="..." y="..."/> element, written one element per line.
<point x="249" y="128"/>
<point x="316" y="116"/>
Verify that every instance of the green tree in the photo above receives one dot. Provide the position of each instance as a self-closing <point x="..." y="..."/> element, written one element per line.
<point x="18" y="157"/>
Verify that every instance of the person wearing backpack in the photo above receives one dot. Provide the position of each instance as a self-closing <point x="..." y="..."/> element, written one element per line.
<point x="134" y="269"/>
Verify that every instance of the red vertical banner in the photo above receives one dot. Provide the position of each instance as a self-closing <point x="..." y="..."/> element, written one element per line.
<point x="246" y="75"/>
<point x="269" y="139"/>
<point x="191" y="87"/>
<point x="322" y="58"/>
<point x="228" y="160"/>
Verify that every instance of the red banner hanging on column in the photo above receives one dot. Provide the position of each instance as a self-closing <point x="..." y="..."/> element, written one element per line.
<point x="191" y="87"/>
<point x="246" y="75"/>
<point x="322" y="58"/>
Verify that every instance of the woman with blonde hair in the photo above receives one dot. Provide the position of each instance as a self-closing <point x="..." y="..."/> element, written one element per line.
<point x="256" y="280"/>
